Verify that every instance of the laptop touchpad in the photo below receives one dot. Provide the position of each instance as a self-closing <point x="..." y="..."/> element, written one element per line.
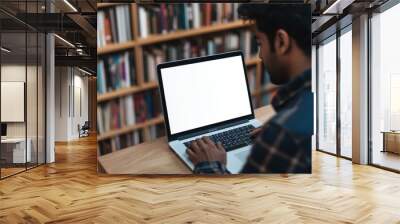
<point x="242" y="156"/>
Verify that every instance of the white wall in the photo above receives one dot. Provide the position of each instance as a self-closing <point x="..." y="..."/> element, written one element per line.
<point x="61" y="103"/>
<point x="16" y="72"/>
<point x="70" y="83"/>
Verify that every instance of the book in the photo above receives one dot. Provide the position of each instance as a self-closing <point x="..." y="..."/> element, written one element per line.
<point x="115" y="71"/>
<point x="100" y="29"/>
<point x="165" y="18"/>
<point x="195" y="47"/>
<point x="143" y="22"/>
<point x="122" y="141"/>
<point x="104" y="147"/>
<point x="156" y="131"/>
<point x="251" y="78"/>
<point x="140" y="104"/>
<point x="128" y="110"/>
<point x="101" y="78"/>
<point x="114" y="25"/>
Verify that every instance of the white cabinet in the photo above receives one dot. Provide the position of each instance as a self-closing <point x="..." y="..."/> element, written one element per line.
<point x="19" y="155"/>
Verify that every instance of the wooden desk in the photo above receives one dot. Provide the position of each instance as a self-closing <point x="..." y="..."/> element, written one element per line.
<point x="391" y="141"/>
<point x="155" y="157"/>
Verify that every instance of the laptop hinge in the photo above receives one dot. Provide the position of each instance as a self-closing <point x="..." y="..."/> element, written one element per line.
<point x="212" y="129"/>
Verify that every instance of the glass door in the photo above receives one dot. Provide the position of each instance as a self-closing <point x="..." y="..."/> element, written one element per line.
<point x="22" y="117"/>
<point x="14" y="154"/>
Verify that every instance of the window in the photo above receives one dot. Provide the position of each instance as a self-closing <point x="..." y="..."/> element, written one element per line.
<point x="385" y="89"/>
<point x="346" y="92"/>
<point x="327" y="95"/>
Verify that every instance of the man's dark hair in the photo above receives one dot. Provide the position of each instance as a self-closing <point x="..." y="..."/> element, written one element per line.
<point x="295" y="19"/>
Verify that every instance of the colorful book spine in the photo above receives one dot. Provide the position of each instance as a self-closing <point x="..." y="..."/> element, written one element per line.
<point x="114" y="25"/>
<point x="115" y="72"/>
<point x="166" y="18"/>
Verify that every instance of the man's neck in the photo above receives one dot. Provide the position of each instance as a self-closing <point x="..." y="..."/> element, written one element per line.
<point x="300" y="64"/>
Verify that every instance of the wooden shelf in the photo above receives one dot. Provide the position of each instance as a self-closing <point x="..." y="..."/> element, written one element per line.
<point x="126" y="91"/>
<point x="153" y="39"/>
<point x="158" y="38"/>
<point x="110" y="48"/>
<point x="105" y="5"/>
<point x="253" y="61"/>
<point x="265" y="90"/>
<point x="150" y="85"/>
<point x="127" y="129"/>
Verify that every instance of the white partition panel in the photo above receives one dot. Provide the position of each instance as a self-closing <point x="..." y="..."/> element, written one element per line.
<point x="12" y="101"/>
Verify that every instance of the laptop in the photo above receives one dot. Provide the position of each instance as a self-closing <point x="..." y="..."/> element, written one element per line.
<point x="208" y="96"/>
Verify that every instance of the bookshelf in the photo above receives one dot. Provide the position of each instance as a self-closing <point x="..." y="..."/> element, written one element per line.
<point x="154" y="39"/>
<point x="138" y="45"/>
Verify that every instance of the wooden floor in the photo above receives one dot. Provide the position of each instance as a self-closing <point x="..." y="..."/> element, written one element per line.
<point x="387" y="159"/>
<point x="70" y="191"/>
<point x="5" y="172"/>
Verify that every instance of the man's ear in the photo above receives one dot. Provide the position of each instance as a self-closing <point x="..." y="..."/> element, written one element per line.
<point x="282" y="42"/>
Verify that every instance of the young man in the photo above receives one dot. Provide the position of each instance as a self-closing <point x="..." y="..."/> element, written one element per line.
<point x="283" y="144"/>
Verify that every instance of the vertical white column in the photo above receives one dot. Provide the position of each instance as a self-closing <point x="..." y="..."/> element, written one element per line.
<point x="314" y="90"/>
<point x="360" y="90"/>
<point x="50" y="93"/>
<point x="50" y="110"/>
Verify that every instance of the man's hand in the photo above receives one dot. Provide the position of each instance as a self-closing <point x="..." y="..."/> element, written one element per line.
<point x="255" y="132"/>
<point x="204" y="149"/>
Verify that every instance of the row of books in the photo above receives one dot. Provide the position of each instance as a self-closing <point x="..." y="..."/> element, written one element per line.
<point x="114" y="25"/>
<point x="156" y="131"/>
<point x="129" y="139"/>
<point x="251" y="78"/>
<point x="115" y="71"/>
<point x="128" y="110"/>
<point x="171" y="17"/>
<point x="120" y="142"/>
<point x="196" y="47"/>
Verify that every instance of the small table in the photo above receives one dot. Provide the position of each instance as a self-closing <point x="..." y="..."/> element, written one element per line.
<point x="155" y="157"/>
<point x="13" y="150"/>
<point x="391" y="141"/>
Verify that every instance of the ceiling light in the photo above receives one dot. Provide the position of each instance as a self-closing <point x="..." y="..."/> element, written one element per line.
<point x="333" y="6"/>
<point x="84" y="71"/>
<point x="5" y="50"/>
<point x="64" y="40"/>
<point x="70" y="5"/>
<point x="338" y="6"/>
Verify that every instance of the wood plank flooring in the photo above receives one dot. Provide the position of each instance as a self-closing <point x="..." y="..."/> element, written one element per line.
<point x="70" y="191"/>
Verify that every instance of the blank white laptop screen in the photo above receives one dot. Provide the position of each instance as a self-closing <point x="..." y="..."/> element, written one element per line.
<point x="205" y="93"/>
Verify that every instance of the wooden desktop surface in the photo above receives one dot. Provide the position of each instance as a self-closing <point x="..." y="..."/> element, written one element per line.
<point x="156" y="157"/>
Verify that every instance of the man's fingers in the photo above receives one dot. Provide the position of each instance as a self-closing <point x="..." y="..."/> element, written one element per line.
<point x="255" y="132"/>
<point x="220" y="147"/>
<point x="194" y="146"/>
<point x="208" y="140"/>
<point x="202" y="144"/>
<point x="191" y="154"/>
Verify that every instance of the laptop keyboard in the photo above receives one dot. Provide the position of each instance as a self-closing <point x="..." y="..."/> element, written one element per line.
<point x="232" y="139"/>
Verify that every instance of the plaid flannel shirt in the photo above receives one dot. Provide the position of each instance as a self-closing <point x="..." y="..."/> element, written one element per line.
<point x="284" y="144"/>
